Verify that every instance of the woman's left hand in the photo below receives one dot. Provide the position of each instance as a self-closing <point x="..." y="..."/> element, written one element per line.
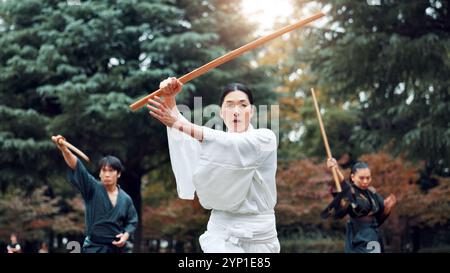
<point x="332" y="163"/>
<point x="161" y="111"/>
<point x="390" y="201"/>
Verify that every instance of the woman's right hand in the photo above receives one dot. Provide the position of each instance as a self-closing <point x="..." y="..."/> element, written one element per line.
<point x="331" y="163"/>
<point x="170" y="87"/>
<point x="161" y="110"/>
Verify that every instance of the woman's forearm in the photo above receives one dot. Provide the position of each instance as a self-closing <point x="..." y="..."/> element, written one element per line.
<point x="171" y="103"/>
<point x="341" y="176"/>
<point x="189" y="128"/>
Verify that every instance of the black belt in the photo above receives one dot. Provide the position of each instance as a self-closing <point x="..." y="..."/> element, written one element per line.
<point x="363" y="219"/>
<point x="103" y="240"/>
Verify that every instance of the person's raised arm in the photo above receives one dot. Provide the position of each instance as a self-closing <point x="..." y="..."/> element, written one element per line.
<point x="78" y="175"/>
<point x="166" y="111"/>
<point x="332" y="163"/>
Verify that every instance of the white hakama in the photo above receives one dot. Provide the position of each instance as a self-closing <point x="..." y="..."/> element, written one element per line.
<point x="234" y="175"/>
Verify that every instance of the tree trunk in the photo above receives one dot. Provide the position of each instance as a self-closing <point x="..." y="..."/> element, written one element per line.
<point x="415" y="239"/>
<point x="194" y="246"/>
<point x="179" y="247"/>
<point x="158" y="246"/>
<point x="131" y="183"/>
<point x="170" y="246"/>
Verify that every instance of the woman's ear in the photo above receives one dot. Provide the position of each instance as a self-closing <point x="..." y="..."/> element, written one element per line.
<point x="221" y="113"/>
<point x="118" y="175"/>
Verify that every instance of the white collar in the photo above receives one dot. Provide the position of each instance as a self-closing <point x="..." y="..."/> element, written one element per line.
<point x="249" y="128"/>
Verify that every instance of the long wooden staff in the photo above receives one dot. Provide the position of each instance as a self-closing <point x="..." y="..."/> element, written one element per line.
<point x="325" y="141"/>
<point x="74" y="149"/>
<point x="230" y="56"/>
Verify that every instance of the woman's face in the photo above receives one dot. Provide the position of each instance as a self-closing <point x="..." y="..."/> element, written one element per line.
<point x="236" y="111"/>
<point x="362" y="178"/>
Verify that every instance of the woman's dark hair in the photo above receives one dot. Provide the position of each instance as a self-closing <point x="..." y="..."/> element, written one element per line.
<point x="236" y="87"/>
<point x="111" y="161"/>
<point x="358" y="166"/>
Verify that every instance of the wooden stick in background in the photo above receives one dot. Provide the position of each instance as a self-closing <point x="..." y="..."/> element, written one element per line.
<point x="325" y="141"/>
<point x="74" y="149"/>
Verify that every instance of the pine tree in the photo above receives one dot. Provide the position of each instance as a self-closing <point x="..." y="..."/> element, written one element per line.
<point x="393" y="60"/>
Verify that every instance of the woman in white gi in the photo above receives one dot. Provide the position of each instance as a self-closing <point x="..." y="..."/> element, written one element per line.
<point x="232" y="172"/>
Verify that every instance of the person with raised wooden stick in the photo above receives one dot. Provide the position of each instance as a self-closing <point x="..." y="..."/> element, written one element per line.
<point x="366" y="208"/>
<point x="111" y="218"/>
<point x="356" y="198"/>
<point x="233" y="172"/>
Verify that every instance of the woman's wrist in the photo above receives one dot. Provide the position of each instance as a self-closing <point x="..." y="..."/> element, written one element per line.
<point x="170" y="101"/>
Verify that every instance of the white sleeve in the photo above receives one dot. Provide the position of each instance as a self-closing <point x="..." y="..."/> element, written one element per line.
<point x="228" y="165"/>
<point x="184" y="156"/>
